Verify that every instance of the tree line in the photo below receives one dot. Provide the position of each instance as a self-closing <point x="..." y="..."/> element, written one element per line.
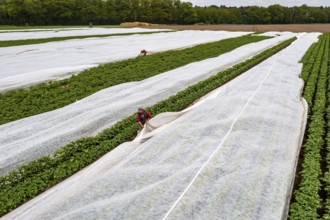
<point x="75" y="12"/>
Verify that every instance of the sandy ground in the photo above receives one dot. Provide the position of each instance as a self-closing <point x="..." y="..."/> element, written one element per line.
<point x="263" y="28"/>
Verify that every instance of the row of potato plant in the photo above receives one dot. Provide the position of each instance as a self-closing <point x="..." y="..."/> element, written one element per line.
<point x="307" y="200"/>
<point x="327" y="173"/>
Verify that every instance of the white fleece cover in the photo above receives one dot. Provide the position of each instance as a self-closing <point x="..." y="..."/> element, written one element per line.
<point x="46" y="29"/>
<point x="24" y="66"/>
<point x="231" y="156"/>
<point x="271" y="34"/>
<point x="68" y="32"/>
<point x="28" y="139"/>
<point x="40" y="29"/>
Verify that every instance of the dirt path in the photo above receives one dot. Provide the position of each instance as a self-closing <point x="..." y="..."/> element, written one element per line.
<point x="255" y="28"/>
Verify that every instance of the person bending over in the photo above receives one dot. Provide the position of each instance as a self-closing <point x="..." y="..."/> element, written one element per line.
<point x="143" y="117"/>
<point x="143" y="53"/>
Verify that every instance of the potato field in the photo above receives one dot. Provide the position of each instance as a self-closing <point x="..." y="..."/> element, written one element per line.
<point x="240" y="126"/>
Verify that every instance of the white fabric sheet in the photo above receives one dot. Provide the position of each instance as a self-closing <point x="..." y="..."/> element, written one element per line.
<point x="232" y="156"/>
<point x="68" y="32"/>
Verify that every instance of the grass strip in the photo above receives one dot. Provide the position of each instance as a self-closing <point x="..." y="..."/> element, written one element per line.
<point x="30" y="180"/>
<point x="21" y="103"/>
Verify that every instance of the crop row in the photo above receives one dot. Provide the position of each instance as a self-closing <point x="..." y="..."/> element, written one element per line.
<point x="37" y="176"/>
<point x="11" y="43"/>
<point x="308" y="203"/>
<point x="327" y="173"/>
<point x="308" y="61"/>
<point x="45" y="97"/>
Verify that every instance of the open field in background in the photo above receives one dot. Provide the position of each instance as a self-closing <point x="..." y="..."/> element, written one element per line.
<point x="324" y="28"/>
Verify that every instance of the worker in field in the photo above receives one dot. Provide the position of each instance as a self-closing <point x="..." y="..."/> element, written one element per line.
<point x="143" y="117"/>
<point x="143" y="53"/>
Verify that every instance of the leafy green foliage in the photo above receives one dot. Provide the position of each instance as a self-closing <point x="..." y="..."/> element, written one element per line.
<point x="308" y="201"/>
<point x="69" y="12"/>
<point x="11" y="43"/>
<point x="327" y="173"/>
<point x="31" y="179"/>
<point x="45" y="97"/>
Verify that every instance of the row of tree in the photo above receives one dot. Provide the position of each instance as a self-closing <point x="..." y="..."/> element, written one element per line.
<point x="69" y="12"/>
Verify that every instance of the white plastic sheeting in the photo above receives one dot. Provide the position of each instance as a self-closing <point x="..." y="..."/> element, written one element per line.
<point x="28" y="65"/>
<point x="230" y="157"/>
<point x="42" y="29"/>
<point x="30" y="138"/>
<point x="39" y="29"/>
<point x="271" y="34"/>
<point x="50" y="33"/>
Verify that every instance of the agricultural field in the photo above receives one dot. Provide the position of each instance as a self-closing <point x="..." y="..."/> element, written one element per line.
<point x="241" y="123"/>
<point x="58" y="60"/>
<point x="92" y="113"/>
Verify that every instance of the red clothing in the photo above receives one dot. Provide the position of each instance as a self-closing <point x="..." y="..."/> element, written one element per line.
<point x="143" y="117"/>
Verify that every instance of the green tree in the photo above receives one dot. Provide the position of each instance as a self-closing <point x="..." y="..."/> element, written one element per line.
<point x="257" y="15"/>
<point x="15" y="10"/>
<point x="231" y="15"/>
<point x="277" y="13"/>
<point x="65" y="12"/>
<point x="184" y="13"/>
